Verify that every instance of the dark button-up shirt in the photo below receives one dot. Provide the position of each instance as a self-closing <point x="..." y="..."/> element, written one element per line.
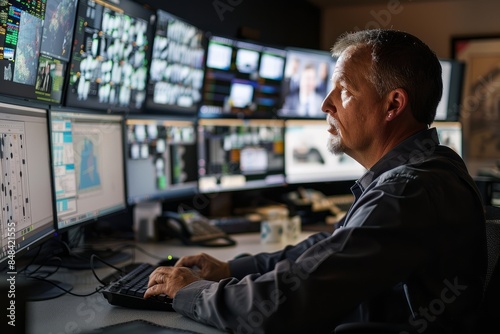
<point x="411" y="250"/>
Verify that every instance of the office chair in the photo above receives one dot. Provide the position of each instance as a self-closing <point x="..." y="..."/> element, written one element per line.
<point x="490" y="309"/>
<point x="491" y="303"/>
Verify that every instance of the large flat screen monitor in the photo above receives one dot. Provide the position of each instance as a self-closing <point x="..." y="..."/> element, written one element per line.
<point x="35" y="44"/>
<point x="88" y="166"/>
<point x="161" y="158"/>
<point x="452" y="73"/>
<point x="242" y="79"/>
<point x="26" y="198"/>
<point x="307" y="159"/>
<point x="237" y="154"/>
<point x="109" y="59"/>
<point x="307" y="81"/>
<point x="177" y="63"/>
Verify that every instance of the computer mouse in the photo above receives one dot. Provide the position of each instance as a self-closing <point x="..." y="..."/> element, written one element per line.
<point x="168" y="262"/>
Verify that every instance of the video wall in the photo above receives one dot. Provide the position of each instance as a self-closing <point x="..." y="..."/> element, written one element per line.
<point x="200" y="112"/>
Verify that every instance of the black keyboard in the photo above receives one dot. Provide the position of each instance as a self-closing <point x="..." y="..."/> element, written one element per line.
<point x="128" y="290"/>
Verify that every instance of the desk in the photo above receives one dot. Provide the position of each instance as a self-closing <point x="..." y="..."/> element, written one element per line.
<point x="71" y="314"/>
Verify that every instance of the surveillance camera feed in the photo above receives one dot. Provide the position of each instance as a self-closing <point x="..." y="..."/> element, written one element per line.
<point x="110" y="56"/>
<point x="177" y="62"/>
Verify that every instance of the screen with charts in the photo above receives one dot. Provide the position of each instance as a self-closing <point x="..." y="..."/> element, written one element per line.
<point x="241" y="79"/>
<point x="35" y="44"/>
<point x="177" y="62"/>
<point x="306" y="83"/>
<point x="450" y="134"/>
<point x="452" y="72"/>
<point x="240" y="154"/>
<point x="27" y="215"/>
<point x="109" y="61"/>
<point x="161" y="158"/>
<point x="88" y="166"/>
<point x="307" y="158"/>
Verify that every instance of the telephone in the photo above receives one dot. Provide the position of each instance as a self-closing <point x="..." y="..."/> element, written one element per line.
<point x="192" y="229"/>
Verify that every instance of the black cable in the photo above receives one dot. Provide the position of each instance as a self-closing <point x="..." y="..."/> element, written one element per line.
<point x="68" y="291"/>
<point x="31" y="274"/>
<point x="92" y="257"/>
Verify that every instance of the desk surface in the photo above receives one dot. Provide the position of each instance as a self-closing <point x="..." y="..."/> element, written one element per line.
<point x="72" y="314"/>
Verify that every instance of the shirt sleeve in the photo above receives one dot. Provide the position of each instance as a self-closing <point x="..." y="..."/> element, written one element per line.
<point x="264" y="262"/>
<point x="312" y="286"/>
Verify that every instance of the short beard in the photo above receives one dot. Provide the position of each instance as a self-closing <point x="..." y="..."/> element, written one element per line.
<point x="335" y="145"/>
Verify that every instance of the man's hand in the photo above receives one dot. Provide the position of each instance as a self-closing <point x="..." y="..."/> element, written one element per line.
<point x="169" y="280"/>
<point x="208" y="267"/>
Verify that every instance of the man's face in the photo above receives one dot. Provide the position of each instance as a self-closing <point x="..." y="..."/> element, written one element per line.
<point x="355" y="111"/>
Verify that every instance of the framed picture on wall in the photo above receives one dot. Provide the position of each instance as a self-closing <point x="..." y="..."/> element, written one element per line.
<point x="480" y="109"/>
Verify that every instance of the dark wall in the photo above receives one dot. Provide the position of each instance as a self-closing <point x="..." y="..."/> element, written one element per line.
<point x="276" y="22"/>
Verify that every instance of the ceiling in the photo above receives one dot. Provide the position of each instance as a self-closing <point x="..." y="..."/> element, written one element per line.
<point x="332" y="3"/>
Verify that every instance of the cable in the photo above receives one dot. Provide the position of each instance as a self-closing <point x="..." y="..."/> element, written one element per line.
<point x="92" y="257"/>
<point x="68" y="291"/>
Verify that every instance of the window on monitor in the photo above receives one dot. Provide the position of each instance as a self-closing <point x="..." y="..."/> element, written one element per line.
<point x="307" y="159"/>
<point x="161" y="158"/>
<point x="242" y="79"/>
<point x="240" y="154"/>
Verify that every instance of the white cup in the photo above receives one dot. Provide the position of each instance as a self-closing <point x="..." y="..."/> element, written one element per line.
<point x="271" y="231"/>
<point x="292" y="229"/>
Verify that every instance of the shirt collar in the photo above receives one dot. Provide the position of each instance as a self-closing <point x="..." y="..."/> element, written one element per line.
<point x="413" y="149"/>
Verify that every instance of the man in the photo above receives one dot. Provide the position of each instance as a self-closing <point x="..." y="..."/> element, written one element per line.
<point x="411" y="249"/>
<point x="305" y="102"/>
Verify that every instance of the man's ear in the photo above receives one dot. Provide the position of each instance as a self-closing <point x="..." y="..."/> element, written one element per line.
<point x="397" y="101"/>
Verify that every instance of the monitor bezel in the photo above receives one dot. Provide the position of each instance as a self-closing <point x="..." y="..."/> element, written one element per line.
<point x="295" y="179"/>
<point x="117" y="211"/>
<point x="168" y="194"/>
<point x="455" y="84"/>
<point x="261" y="184"/>
<point x="243" y="114"/>
<point x="149" y="106"/>
<point x="128" y="6"/>
<point x="48" y="232"/>
<point x="313" y="53"/>
<point x="24" y="98"/>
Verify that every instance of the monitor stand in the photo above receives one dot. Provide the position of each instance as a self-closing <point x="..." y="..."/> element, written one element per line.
<point x="78" y="256"/>
<point x="37" y="290"/>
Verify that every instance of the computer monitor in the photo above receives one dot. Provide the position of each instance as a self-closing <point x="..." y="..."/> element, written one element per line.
<point x="109" y="59"/>
<point x="452" y="73"/>
<point x="161" y="158"/>
<point x="307" y="82"/>
<point x="307" y="159"/>
<point x="27" y="218"/>
<point x="35" y="43"/>
<point x="88" y="166"/>
<point x="450" y="134"/>
<point x="236" y="154"/>
<point x="242" y="79"/>
<point x="177" y="66"/>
